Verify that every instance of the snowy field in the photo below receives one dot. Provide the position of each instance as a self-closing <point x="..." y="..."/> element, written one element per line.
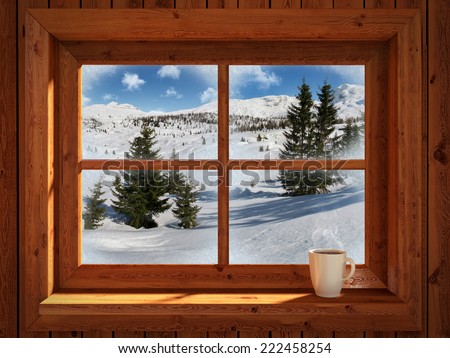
<point x="265" y="227"/>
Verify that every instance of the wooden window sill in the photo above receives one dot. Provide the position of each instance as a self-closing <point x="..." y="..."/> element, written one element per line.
<point x="355" y="309"/>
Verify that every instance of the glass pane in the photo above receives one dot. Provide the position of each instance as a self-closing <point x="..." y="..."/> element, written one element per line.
<point x="177" y="103"/>
<point x="296" y="112"/>
<point x="135" y="225"/>
<point x="269" y="225"/>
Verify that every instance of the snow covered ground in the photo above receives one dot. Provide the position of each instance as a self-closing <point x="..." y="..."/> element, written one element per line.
<point x="265" y="227"/>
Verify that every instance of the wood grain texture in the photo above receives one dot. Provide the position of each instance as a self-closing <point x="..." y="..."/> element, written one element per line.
<point x="222" y="4"/>
<point x="151" y="4"/>
<point x="129" y="334"/>
<point x="285" y="4"/>
<point x="98" y="334"/>
<point x="317" y="4"/>
<point x="376" y="154"/>
<point x="95" y="4"/>
<point x="69" y="170"/>
<point x="243" y="164"/>
<point x="216" y="25"/>
<point x="8" y="171"/>
<point x="67" y="334"/>
<point x="223" y="173"/>
<point x="190" y="4"/>
<point x="348" y="4"/>
<point x="439" y="170"/>
<point x="219" y="52"/>
<point x="253" y="4"/>
<point x="38" y="168"/>
<point x="411" y="164"/>
<point x="254" y="334"/>
<point x="379" y="4"/>
<point x="65" y="4"/>
<point x="127" y="4"/>
<point x="162" y="334"/>
<point x="101" y="277"/>
<point x="22" y="5"/>
<point x="192" y="334"/>
<point x="409" y="4"/>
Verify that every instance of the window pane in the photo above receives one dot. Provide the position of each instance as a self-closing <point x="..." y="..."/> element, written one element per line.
<point x="178" y="104"/>
<point x="296" y="112"/>
<point x="126" y="232"/>
<point x="268" y="225"/>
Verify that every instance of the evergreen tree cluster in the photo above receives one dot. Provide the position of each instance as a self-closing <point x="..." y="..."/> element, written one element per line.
<point x="309" y="136"/>
<point x="140" y="195"/>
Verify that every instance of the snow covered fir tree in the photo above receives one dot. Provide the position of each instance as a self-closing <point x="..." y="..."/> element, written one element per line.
<point x="309" y="136"/>
<point x="185" y="209"/>
<point x="94" y="212"/>
<point x="139" y="198"/>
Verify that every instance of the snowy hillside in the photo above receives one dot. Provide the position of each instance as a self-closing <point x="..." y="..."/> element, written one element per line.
<point x="265" y="227"/>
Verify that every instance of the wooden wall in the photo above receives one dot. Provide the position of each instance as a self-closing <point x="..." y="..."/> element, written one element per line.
<point x="437" y="89"/>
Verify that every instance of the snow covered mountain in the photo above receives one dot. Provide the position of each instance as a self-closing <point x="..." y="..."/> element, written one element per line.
<point x="349" y="101"/>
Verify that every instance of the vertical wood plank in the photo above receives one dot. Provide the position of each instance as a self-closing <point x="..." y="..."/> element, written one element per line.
<point x="67" y="4"/>
<point x="222" y="4"/>
<point x="378" y="334"/>
<point x="223" y="156"/>
<point x="168" y="334"/>
<point x="36" y="276"/>
<point x="64" y="334"/>
<point x="376" y="155"/>
<point x="311" y="333"/>
<point x="439" y="169"/>
<point x="22" y="5"/>
<point x="285" y="4"/>
<point x="411" y="178"/>
<point x="69" y="183"/>
<point x="190" y="4"/>
<point x="97" y="334"/>
<point x="222" y="334"/>
<point x="253" y="4"/>
<point x="8" y="171"/>
<point x="151" y="4"/>
<point x="127" y="4"/>
<point x="129" y="334"/>
<point x="95" y="4"/>
<point x="380" y="4"/>
<point x="349" y="334"/>
<point x="286" y="334"/>
<point x="192" y="334"/>
<point x="348" y="4"/>
<point x="408" y="4"/>
<point x="254" y="334"/>
<point x="317" y="4"/>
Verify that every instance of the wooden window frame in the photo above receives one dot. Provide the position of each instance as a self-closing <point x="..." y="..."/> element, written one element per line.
<point x="58" y="293"/>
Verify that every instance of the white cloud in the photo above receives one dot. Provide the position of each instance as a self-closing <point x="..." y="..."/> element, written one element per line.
<point x="109" y="97"/>
<point x="172" y="92"/>
<point x="91" y="75"/>
<point x="85" y="100"/>
<point x="169" y="71"/>
<point x="241" y="76"/>
<point x="132" y="81"/>
<point x="208" y="95"/>
<point x="349" y="74"/>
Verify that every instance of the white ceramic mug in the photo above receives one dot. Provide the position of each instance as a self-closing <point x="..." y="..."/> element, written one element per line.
<point x="327" y="268"/>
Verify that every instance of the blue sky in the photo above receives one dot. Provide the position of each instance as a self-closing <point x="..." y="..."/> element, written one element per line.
<point x="169" y="88"/>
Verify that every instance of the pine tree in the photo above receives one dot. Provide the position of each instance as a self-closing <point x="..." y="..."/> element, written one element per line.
<point x="185" y="209"/>
<point x="139" y="196"/>
<point x="94" y="212"/>
<point x="350" y="141"/>
<point x="326" y="120"/>
<point x="174" y="178"/>
<point x="324" y="145"/>
<point x="298" y="144"/>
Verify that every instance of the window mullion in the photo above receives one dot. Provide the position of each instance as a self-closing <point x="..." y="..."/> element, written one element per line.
<point x="223" y="156"/>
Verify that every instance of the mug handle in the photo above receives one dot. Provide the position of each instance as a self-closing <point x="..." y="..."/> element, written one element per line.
<point x="352" y="269"/>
